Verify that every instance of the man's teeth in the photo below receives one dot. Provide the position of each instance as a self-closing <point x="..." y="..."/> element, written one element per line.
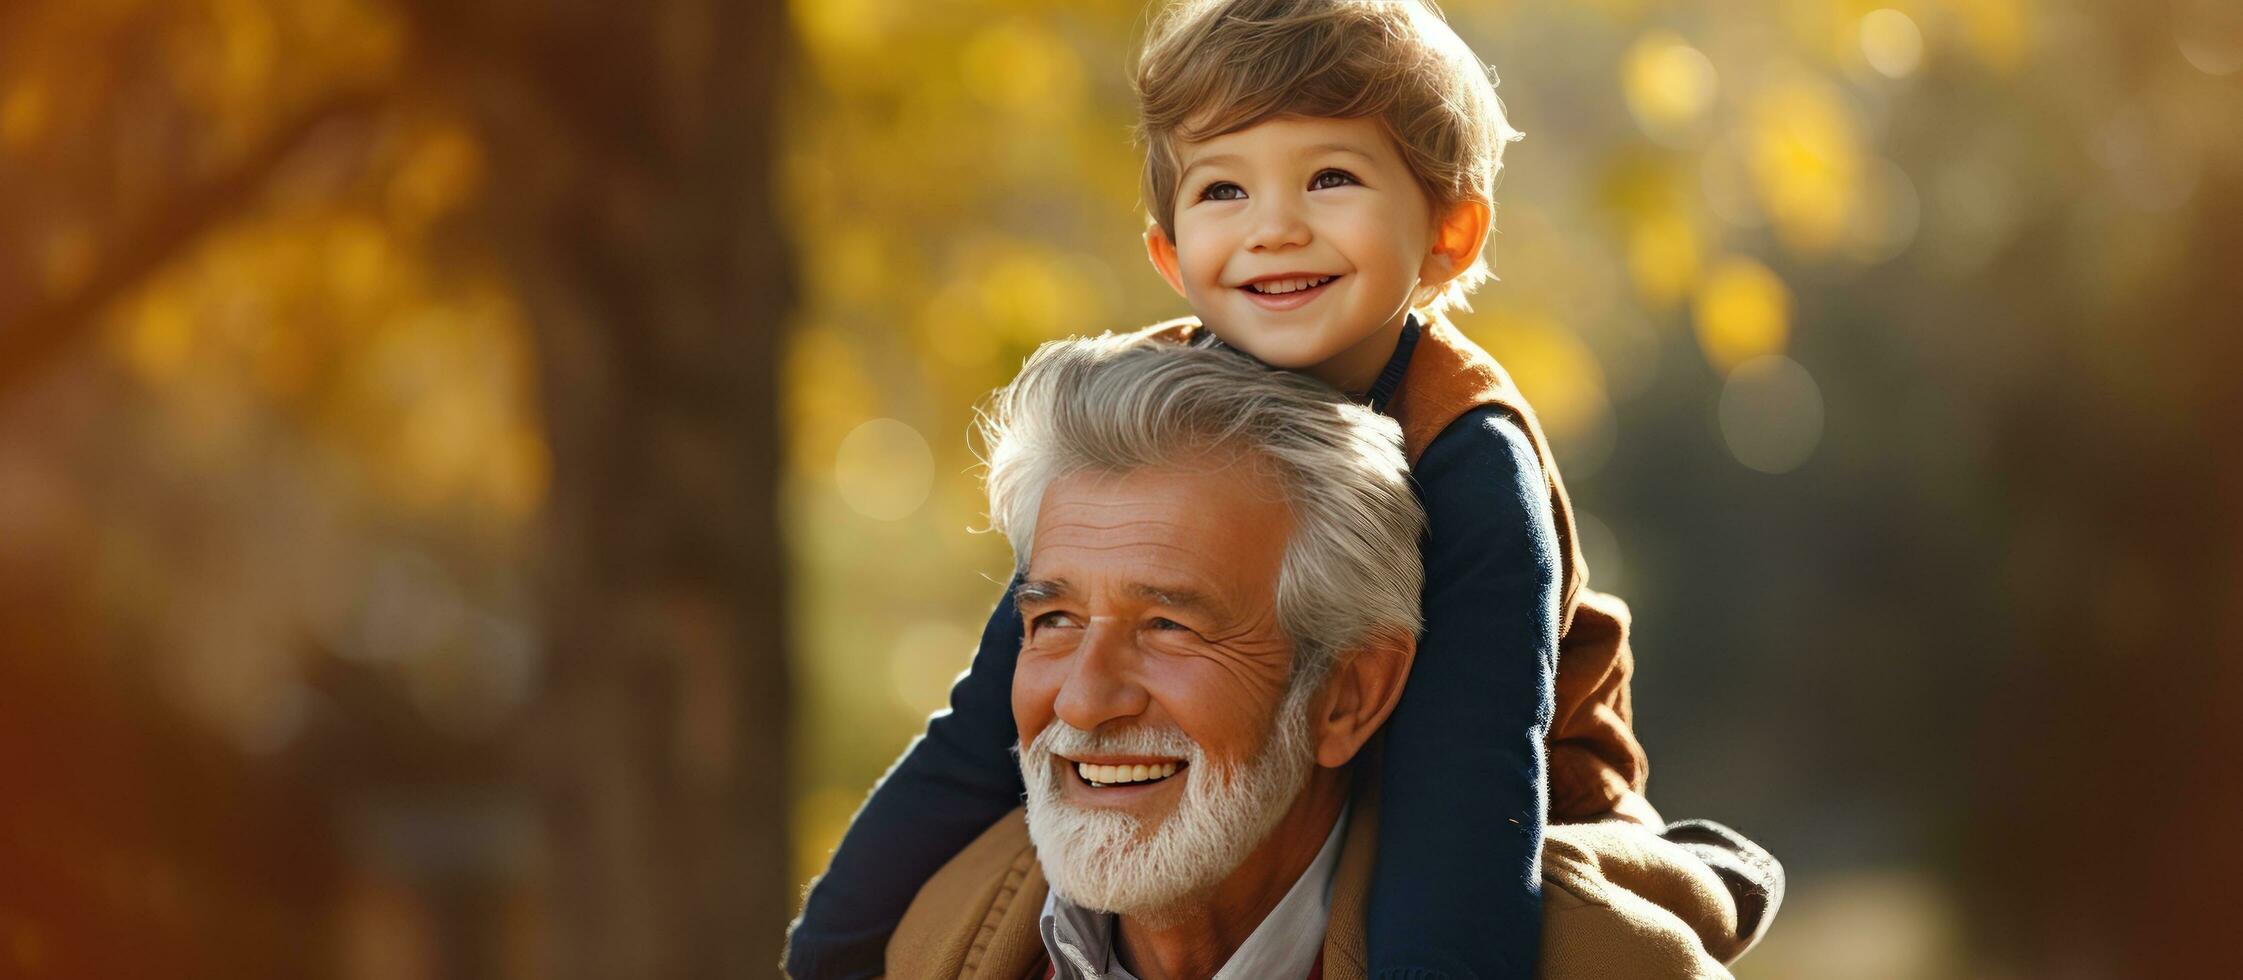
<point x="1124" y="774"/>
<point x="1275" y="286"/>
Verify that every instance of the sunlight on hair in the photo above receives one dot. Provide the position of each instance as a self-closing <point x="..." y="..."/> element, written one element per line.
<point x="1771" y="414"/>
<point x="1743" y="311"/>
<point x="884" y="470"/>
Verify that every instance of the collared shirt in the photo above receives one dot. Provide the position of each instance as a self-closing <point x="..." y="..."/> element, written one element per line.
<point x="1285" y="944"/>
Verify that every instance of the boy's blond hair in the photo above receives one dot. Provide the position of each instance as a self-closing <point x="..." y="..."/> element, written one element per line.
<point x="1212" y="67"/>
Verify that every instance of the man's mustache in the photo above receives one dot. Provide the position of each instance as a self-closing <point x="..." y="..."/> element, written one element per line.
<point x="1061" y="738"/>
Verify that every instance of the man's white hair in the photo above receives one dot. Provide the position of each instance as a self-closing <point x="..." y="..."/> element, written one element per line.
<point x="1125" y="403"/>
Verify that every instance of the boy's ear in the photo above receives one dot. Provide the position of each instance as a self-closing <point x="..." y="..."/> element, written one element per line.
<point x="1163" y="254"/>
<point x="1458" y="237"/>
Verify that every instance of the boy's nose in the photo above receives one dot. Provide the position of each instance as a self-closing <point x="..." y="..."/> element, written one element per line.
<point x="1277" y="224"/>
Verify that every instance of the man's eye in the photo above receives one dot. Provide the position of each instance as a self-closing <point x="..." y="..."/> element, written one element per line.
<point x="1332" y="178"/>
<point x="1222" y="190"/>
<point x="1159" y="623"/>
<point x="1053" y="620"/>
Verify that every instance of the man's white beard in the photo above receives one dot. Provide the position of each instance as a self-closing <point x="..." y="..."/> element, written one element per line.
<point x="1102" y="859"/>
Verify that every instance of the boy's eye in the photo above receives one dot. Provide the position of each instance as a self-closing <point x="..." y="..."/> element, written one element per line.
<point x="1222" y="190"/>
<point x="1332" y="178"/>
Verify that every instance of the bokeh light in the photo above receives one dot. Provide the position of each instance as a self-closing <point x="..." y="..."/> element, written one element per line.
<point x="1559" y="376"/>
<point x="1891" y="43"/>
<point x="2209" y="34"/>
<point x="884" y="470"/>
<point x="439" y="467"/>
<point x="1669" y="85"/>
<point x="1742" y="311"/>
<point x="1804" y="150"/>
<point x="1771" y="414"/>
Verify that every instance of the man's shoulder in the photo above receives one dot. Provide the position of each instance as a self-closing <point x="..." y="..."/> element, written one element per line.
<point x="977" y="917"/>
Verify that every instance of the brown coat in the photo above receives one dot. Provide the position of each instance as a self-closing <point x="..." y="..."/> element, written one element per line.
<point x="1618" y="900"/>
<point x="1596" y="766"/>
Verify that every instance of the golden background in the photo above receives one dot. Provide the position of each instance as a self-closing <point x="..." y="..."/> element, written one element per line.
<point x="484" y="488"/>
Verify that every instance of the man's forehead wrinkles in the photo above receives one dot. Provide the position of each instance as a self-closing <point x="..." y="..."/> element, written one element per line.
<point x="1173" y="582"/>
<point x="1106" y="546"/>
<point x="1087" y="524"/>
<point x="1178" y="560"/>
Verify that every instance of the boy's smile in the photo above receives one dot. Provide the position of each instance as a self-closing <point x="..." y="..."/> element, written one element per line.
<point x="1302" y="241"/>
<point x="1286" y="292"/>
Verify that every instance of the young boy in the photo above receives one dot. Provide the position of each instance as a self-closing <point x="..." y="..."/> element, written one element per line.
<point x="1318" y="170"/>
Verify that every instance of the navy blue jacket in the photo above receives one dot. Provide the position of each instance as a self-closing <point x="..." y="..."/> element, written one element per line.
<point x="1457" y="890"/>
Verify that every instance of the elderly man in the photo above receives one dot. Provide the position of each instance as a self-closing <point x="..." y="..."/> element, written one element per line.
<point x="1219" y="576"/>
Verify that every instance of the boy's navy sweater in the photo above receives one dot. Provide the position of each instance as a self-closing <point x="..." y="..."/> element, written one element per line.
<point x="1457" y="889"/>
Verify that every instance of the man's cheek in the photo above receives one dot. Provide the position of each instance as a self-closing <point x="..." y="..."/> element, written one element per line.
<point x="1032" y="696"/>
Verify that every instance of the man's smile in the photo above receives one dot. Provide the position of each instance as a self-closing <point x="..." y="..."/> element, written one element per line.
<point x="1116" y="778"/>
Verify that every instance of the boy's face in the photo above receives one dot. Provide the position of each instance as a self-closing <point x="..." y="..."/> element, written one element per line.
<point x="1302" y="241"/>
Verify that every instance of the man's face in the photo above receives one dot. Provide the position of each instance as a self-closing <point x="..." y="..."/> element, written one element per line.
<point x="1298" y="201"/>
<point x="1150" y="603"/>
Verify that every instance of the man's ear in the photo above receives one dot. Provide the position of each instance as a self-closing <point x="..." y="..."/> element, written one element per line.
<point x="1359" y="696"/>
<point x="1163" y="254"/>
<point x="1458" y="237"/>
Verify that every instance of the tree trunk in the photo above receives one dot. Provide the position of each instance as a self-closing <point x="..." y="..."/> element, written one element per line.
<point x="632" y="149"/>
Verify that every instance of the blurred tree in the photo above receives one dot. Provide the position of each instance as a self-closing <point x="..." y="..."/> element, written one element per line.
<point x="627" y="200"/>
<point x="633" y="146"/>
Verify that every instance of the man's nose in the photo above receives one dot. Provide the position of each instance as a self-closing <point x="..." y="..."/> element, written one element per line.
<point x="1278" y="223"/>
<point x="1101" y="683"/>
